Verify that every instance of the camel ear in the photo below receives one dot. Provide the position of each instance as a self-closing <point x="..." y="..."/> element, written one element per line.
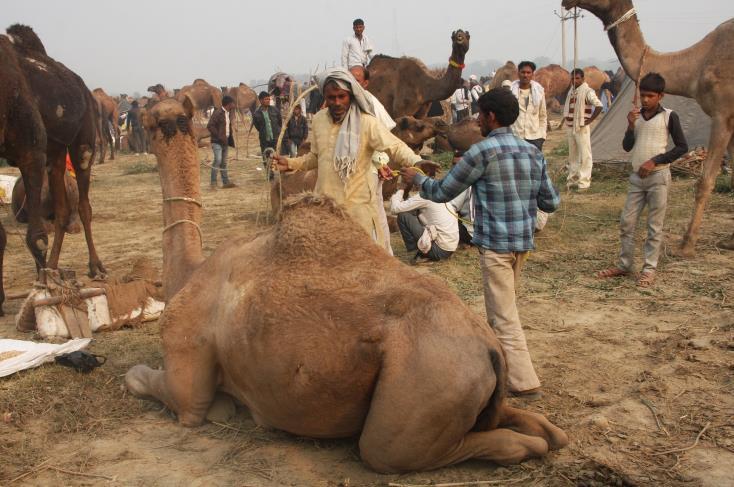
<point x="189" y="106"/>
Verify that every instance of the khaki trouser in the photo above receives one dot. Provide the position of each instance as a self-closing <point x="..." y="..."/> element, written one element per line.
<point x="500" y="276"/>
<point x="652" y="192"/>
<point x="579" y="157"/>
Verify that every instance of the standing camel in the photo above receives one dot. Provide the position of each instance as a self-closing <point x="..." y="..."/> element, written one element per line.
<point x="109" y="117"/>
<point x="23" y="144"/>
<point x="319" y="344"/>
<point x="704" y="72"/>
<point x="71" y="121"/>
<point x="404" y="85"/>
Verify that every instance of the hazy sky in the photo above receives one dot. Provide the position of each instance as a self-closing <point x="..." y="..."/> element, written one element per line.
<point x="127" y="46"/>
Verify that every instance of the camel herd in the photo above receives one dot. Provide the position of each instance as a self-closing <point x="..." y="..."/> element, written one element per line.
<point x="421" y="382"/>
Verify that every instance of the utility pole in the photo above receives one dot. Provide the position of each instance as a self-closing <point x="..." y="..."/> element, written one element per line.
<point x="564" y="16"/>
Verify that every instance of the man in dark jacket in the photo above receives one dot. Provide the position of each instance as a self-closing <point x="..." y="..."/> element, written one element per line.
<point x="220" y="129"/>
<point x="297" y="131"/>
<point x="267" y="121"/>
<point x="134" y="128"/>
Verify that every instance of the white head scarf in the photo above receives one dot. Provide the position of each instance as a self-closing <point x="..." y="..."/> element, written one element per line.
<point x="347" y="142"/>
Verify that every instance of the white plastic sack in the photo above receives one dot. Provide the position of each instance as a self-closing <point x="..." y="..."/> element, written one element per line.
<point x="33" y="354"/>
<point x="49" y="322"/>
<point x="7" y="183"/>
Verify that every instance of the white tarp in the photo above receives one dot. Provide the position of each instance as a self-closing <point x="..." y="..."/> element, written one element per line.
<point x="33" y="354"/>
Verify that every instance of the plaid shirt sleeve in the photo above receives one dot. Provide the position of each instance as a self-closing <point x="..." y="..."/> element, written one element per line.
<point x="465" y="173"/>
<point x="548" y="197"/>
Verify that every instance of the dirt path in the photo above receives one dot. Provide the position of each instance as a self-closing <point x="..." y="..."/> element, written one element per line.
<point x="608" y="354"/>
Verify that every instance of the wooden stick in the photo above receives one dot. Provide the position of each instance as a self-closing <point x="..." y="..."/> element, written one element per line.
<point x="676" y="450"/>
<point x="37" y="468"/>
<point x="462" y="484"/>
<point x="655" y="415"/>
<point x="84" y="294"/>
<point x="21" y="295"/>
<point x="80" y="474"/>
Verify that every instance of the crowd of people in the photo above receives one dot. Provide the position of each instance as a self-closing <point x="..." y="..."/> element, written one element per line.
<point x="496" y="196"/>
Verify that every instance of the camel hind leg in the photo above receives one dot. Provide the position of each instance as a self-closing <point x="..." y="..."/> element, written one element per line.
<point x="81" y="158"/>
<point x="57" y="187"/>
<point x="419" y="424"/>
<point x="721" y="134"/>
<point x="728" y="244"/>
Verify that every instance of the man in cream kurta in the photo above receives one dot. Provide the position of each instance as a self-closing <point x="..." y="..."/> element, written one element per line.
<point x="344" y="137"/>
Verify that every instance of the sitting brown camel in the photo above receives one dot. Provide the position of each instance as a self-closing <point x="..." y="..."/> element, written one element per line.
<point x="318" y="343"/>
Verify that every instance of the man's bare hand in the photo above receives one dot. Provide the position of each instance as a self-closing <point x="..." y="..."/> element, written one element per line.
<point x="632" y="116"/>
<point x="280" y="163"/>
<point x="408" y="174"/>
<point x="646" y="168"/>
<point x="385" y="173"/>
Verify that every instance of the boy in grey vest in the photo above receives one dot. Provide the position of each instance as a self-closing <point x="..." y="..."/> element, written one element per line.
<point x="647" y="139"/>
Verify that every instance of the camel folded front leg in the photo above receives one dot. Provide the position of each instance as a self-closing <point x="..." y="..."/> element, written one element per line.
<point x="188" y="383"/>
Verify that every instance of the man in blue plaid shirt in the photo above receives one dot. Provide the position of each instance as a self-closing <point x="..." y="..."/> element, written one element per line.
<point x="510" y="183"/>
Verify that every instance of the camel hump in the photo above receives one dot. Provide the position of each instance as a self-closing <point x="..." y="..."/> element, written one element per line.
<point x="26" y="38"/>
<point x="309" y="199"/>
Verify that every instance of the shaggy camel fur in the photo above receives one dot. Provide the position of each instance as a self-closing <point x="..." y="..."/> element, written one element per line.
<point x="318" y="343"/>
<point x="406" y="87"/>
<point x="704" y="71"/>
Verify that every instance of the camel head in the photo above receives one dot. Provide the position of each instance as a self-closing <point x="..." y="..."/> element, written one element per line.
<point x="414" y="132"/>
<point x="158" y="89"/>
<point x="169" y="124"/>
<point x="607" y="10"/>
<point x="25" y="38"/>
<point x="459" y="44"/>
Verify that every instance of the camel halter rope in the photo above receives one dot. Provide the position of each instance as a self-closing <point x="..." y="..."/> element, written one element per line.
<point x="279" y="144"/>
<point x="628" y="15"/>
<point x="191" y="222"/>
<point x="636" y="100"/>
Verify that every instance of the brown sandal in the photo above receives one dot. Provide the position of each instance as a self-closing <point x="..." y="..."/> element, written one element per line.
<point x="611" y="272"/>
<point x="646" y="279"/>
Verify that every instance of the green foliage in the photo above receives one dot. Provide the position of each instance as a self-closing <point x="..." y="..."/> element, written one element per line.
<point x="140" y="168"/>
<point x="3" y="162"/>
<point x="445" y="159"/>
<point x="723" y="184"/>
<point x="561" y="150"/>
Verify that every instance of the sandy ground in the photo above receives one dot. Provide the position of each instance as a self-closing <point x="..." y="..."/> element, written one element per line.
<point x="634" y="376"/>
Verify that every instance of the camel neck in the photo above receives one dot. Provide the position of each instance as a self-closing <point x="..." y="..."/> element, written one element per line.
<point x="678" y="68"/>
<point x="179" y="176"/>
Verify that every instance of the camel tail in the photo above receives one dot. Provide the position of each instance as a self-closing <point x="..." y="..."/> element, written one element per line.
<point x="490" y="416"/>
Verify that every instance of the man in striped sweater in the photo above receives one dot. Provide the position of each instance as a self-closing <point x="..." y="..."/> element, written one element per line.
<point x="581" y="109"/>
